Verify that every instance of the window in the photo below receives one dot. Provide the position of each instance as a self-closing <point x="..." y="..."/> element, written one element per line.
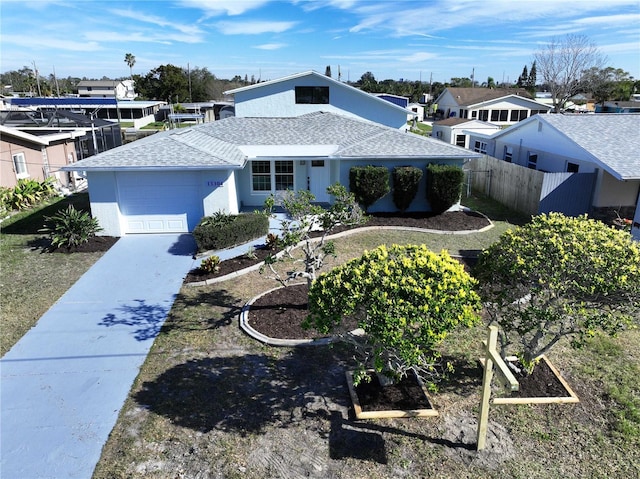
<point x="480" y="147"/>
<point x="20" y="166"/>
<point x="499" y="115"/>
<point x="474" y="114"/>
<point x="461" y="140"/>
<point x="284" y="175"/>
<point x="508" y="154"/>
<point x="483" y="115"/>
<point x="312" y="94"/>
<point x="518" y="115"/>
<point x="532" y="160"/>
<point x="261" y="172"/>
<point x="572" y="167"/>
<point x="266" y="174"/>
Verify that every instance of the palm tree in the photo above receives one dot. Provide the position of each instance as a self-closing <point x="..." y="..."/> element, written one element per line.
<point x="130" y="60"/>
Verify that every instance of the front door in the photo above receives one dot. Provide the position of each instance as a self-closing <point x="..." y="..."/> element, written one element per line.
<point x="318" y="172"/>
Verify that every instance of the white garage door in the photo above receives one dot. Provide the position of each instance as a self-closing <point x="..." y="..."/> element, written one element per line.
<point x="159" y="202"/>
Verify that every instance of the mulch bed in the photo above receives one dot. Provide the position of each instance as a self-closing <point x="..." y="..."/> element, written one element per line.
<point x="449" y="221"/>
<point x="404" y="395"/>
<point x="94" y="245"/>
<point x="542" y="382"/>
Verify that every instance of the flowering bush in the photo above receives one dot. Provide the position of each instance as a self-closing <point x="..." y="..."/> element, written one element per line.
<point x="559" y="276"/>
<point x="405" y="298"/>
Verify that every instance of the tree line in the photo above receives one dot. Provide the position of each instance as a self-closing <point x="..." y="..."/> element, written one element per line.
<point x="565" y="67"/>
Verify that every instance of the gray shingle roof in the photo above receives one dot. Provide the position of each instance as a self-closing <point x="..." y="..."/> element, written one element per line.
<point x="613" y="139"/>
<point x="217" y="145"/>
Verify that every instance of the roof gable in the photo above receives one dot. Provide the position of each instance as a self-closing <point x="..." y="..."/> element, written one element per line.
<point x="473" y="96"/>
<point x="324" y="78"/>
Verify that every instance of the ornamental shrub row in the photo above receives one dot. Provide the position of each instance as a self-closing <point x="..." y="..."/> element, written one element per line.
<point x="371" y="183"/>
<point x="223" y="230"/>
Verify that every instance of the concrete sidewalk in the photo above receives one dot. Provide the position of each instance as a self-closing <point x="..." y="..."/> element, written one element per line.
<point x="64" y="383"/>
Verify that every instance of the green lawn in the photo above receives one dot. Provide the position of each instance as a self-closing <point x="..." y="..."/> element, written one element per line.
<point x="32" y="280"/>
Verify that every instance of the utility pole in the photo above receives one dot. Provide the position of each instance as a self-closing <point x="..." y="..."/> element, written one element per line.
<point x="35" y="70"/>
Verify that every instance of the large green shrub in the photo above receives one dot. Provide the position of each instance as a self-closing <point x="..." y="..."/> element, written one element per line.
<point x="405" y="298"/>
<point x="444" y="186"/>
<point x="406" y="181"/>
<point x="369" y="184"/>
<point x="223" y="231"/>
<point x="27" y="193"/>
<point x="70" y="228"/>
<point x="559" y="277"/>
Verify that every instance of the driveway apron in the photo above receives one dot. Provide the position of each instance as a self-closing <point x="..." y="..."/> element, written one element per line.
<point x="64" y="383"/>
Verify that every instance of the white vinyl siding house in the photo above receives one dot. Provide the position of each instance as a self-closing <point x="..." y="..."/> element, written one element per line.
<point x="604" y="144"/>
<point x="499" y="107"/>
<point x="310" y="92"/>
<point x="168" y="181"/>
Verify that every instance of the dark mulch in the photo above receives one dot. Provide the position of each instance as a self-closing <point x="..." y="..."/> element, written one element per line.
<point x="280" y="313"/>
<point x="542" y="382"/>
<point x="450" y="221"/>
<point x="230" y="265"/>
<point x="94" y="245"/>
<point x="404" y="395"/>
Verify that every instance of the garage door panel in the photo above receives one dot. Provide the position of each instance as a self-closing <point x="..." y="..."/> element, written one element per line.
<point x="159" y="202"/>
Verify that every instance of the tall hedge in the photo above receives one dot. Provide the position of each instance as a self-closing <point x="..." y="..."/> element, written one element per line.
<point x="406" y="180"/>
<point x="369" y="184"/>
<point x="444" y="186"/>
<point x="223" y="231"/>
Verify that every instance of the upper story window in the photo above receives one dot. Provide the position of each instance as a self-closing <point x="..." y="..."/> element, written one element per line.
<point x="20" y="165"/>
<point x="480" y="147"/>
<point x="312" y="94"/>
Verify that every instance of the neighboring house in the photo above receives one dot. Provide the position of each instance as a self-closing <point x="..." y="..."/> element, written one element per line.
<point x="140" y="113"/>
<point x="618" y="107"/>
<point x="311" y="91"/>
<point x="168" y="181"/>
<point x="119" y="89"/>
<point x="498" y="106"/>
<point x="456" y="131"/>
<point x="24" y="155"/>
<point x="579" y="103"/>
<point x="605" y="145"/>
<point x="417" y="111"/>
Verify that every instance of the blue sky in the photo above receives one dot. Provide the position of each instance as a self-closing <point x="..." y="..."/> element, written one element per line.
<point x="267" y="39"/>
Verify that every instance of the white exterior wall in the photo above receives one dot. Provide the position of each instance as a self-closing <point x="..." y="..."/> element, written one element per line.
<point x="613" y="193"/>
<point x="103" y="193"/>
<point x="554" y="152"/>
<point x="278" y="100"/>
<point x="219" y="192"/>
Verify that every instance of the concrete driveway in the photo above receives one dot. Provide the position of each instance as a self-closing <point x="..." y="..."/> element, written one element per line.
<point x="64" y="383"/>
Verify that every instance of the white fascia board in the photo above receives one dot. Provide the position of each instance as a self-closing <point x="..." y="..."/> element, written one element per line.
<point x="285" y="151"/>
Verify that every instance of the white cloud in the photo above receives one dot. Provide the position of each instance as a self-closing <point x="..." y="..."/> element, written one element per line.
<point x="271" y="46"/>
<point x="159" y="21"/>
<point x="38" y="42"/>
<point x="418" y="57"/>
<point x="220" y="7"/>
<point x="253" y="27"/>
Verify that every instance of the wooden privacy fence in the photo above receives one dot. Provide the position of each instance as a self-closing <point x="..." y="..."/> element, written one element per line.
<point x="530" y="191"/>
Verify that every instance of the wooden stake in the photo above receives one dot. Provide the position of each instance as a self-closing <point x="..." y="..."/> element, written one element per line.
<point x="491" y="356"/>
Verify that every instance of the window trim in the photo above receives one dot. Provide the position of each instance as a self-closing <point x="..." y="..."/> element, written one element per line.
<point x="312" y="95"/>
<point x="274" y="175"/>
<point x="20" y="165"/>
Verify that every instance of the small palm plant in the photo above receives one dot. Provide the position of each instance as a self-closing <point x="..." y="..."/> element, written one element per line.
<point x="70" y="228"/>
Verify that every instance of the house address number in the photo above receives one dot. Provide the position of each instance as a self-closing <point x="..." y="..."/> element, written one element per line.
<point x="214" y="183"/>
